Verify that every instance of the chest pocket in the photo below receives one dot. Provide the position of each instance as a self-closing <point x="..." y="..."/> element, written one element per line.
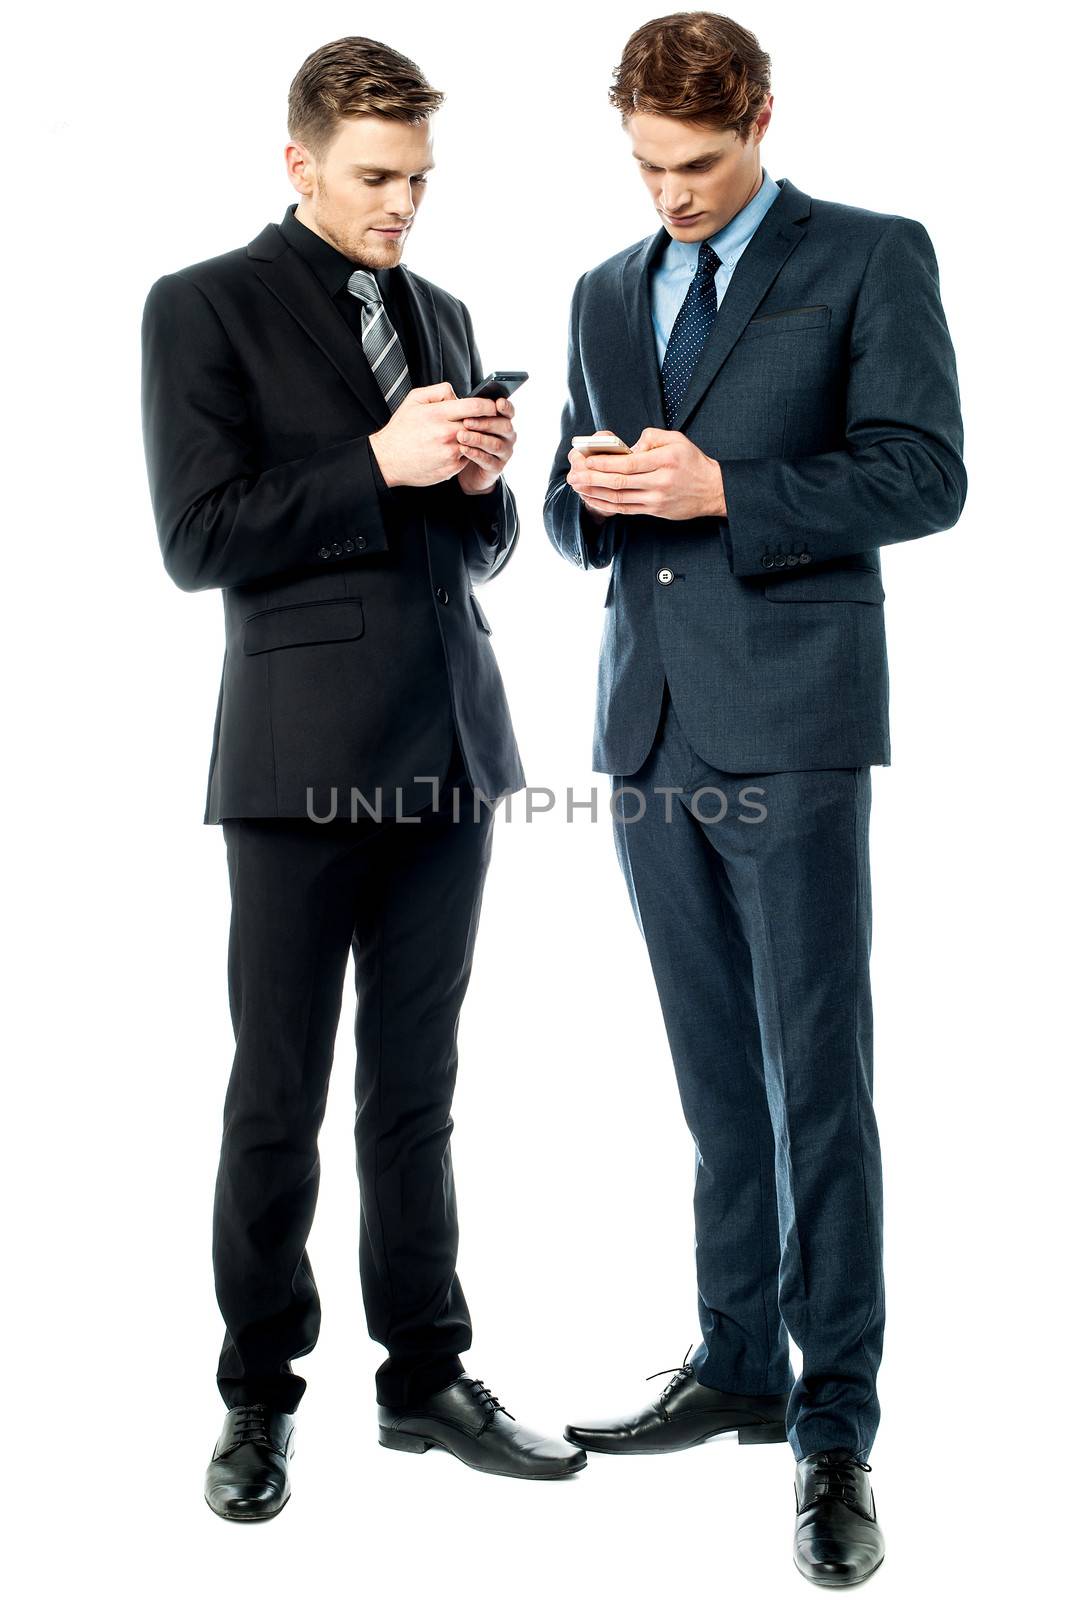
<point x="790" y="321"/>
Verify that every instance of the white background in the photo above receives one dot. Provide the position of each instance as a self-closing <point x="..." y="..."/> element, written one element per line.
<point x="140" y="141"/>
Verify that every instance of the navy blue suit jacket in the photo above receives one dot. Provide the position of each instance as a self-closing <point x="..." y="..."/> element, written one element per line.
<point x="828" y="391"/>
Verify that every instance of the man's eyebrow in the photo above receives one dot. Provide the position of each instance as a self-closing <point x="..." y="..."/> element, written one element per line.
<point x="696" y="161"/>
<point x="388" y="172"/>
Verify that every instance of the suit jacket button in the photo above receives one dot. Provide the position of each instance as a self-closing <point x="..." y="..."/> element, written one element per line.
<point x="665" y="575"/>
<point x="441" y="595"/>
<point x="338" y="549"/>
<point x="360" y="541"/>
<point x="325" y="552"/>
<point x="793" y="561"/>
<point x="805" y="557"/>
<point x="767" y="561"/>
<point x="780" y="561"/>
<point x="349" y="545"/>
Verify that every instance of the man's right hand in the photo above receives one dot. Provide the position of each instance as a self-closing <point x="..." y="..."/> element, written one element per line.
<point x="419" y="445"/>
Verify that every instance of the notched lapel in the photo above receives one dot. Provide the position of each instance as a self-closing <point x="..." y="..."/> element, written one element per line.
<point x="288" y="276"/>
<point x="428" y="325"/>
<point x="773" y="241"/>
<point x="636" y="295"/>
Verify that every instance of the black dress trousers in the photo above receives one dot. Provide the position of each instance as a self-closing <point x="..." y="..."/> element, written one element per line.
<point x="405" y="898"/>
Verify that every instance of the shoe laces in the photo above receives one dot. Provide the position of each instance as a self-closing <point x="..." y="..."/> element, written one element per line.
<point x="680" y="1373"/>
<point x="836" y="1478"/>
<point x="488" y="1400"/>
<point x="249" y="1426"/>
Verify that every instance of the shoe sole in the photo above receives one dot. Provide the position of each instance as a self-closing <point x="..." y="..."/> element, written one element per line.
<point x="838" y="1583"/>
<point x="749" y="1433"/>
<point x="416" y="1444"/>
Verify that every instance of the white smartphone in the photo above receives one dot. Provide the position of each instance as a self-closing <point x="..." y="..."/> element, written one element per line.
<point x="607" y="444"/>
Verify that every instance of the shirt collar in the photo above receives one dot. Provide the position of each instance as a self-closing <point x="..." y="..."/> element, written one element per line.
<point x="329" y="264"/>
<point x="731" y="239"/>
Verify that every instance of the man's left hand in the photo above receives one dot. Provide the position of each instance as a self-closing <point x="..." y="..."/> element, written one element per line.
<point x="664" y="476"/>
<point x="487" y="443"/>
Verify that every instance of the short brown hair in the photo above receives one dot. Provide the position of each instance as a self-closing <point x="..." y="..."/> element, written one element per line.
<point x="695" y="66"/>
<point x="355" y="77"/>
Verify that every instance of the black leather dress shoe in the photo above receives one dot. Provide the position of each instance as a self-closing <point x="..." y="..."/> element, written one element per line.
<point x="837" y="1539"/>
<point x="247" y="1479"/>
<point x="686" y="1413"/>
<point x="467" y="1420"/>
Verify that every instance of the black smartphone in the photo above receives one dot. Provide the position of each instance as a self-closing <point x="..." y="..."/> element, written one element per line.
<point x="497" y="384"/>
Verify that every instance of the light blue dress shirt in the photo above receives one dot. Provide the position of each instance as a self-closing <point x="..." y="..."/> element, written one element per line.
<point x="676" y="268"/>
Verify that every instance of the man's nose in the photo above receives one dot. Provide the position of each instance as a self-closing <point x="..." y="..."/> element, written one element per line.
<point x="676" y="201"/>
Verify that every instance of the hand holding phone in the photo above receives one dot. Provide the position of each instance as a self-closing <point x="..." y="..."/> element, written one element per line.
<point x="417" y="446"/>
<point x="605" y="443"/>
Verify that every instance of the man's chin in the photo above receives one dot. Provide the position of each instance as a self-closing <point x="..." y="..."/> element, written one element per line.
<point x="383" y="252"/>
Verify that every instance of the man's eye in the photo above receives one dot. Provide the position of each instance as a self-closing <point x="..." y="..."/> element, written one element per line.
<point x="709" y="167"/>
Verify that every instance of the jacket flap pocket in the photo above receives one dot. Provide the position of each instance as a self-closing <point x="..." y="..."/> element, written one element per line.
<point x="479" y="613"/>
<point x="857" y="583"/>
<point x="311" y="622"/>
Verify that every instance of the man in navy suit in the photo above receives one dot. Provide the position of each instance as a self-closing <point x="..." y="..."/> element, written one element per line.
<point x="785" y="371"/>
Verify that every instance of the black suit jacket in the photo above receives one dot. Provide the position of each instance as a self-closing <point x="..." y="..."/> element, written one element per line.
<point x="356" y="651"/>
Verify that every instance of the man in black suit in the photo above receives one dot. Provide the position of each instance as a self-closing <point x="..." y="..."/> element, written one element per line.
<point x="310" y="454"/>
<point x="783" y="368"/>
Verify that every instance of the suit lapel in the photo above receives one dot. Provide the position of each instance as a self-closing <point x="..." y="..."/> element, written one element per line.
<point x="287" y="276"/>
<point x="636" y="296"/>
<point x="423" y="315"/>
<point x="770" y="246"/>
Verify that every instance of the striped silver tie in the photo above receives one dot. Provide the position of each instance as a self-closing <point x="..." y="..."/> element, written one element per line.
<point x="380" y="340"/>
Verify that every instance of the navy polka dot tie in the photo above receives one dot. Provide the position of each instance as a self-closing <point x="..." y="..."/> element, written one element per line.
<point x="694" y="320"/>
